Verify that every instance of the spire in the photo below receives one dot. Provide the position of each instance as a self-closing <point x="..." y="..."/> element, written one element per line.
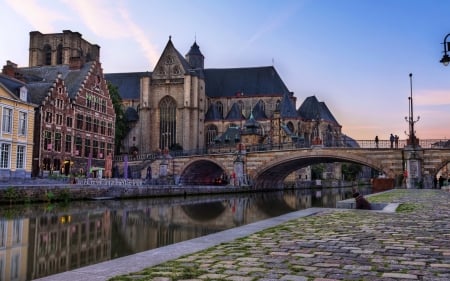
<point x="195" y="56"/>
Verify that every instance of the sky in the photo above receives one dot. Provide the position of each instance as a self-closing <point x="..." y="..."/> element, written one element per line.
<point x="354" y="55"/>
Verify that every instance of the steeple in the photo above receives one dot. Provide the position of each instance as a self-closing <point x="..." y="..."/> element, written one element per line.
<point x="194" y="57"/>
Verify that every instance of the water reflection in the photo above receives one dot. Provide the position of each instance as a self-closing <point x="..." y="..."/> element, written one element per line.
<point x="40" y="240"/>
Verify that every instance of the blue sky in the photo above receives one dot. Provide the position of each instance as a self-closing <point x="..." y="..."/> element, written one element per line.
<point x="354" y="55"/>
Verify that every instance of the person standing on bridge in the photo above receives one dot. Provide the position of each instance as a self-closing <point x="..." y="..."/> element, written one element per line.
<point x="376" y="141"/>
<point x="392" y="139"/>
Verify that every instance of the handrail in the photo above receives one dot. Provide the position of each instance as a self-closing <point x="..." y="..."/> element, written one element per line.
<point x="353" y="144"/>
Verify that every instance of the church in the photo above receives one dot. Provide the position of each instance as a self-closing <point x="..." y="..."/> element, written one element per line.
<point x="181" y="105"/>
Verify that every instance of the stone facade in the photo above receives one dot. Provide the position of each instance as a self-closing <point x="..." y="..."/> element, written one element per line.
<point x="183" y="105"/>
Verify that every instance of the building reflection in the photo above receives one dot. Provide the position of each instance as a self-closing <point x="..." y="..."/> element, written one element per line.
<point x="49" y="241"/>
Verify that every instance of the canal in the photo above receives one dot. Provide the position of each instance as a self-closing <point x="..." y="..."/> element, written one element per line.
<point x="45" y="239"/>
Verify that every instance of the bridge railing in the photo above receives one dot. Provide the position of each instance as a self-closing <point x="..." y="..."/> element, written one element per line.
<point x="353" y="144"/>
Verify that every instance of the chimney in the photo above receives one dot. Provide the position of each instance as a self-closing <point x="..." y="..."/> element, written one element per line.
<point x="10" y="69"/>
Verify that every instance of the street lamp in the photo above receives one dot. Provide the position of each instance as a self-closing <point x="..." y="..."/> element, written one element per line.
<point x="410" y="118"/>
<point x="446" y="58"/>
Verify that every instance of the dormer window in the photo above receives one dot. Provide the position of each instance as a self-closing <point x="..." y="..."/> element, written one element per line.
<point x="23" y="93"/>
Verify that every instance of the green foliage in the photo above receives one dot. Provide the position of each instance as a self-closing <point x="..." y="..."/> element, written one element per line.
<point x="50" y="196"/>
<point x="317" y="171"/>
<point x="11" y="194"/>
<point x="121" y="128"/>
<point x="406" y="208"/>
<point x="64" y="195"/>
<point x="350" y="171"/>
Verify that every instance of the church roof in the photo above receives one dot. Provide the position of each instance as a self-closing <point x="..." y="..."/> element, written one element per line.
<point x="311" y="109"/>
<point x="131" y="115"/>
<point x="249" y="81"/>
<point x="195" y="50"/>
<point x="128" y="84"/>
<point x="234" y="113"/>
<point x="213" y="113"/>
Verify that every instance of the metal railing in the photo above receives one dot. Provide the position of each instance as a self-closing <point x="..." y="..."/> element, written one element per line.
<point x="353" y="144"/>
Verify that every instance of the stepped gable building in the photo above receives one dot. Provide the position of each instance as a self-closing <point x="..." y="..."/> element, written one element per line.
<point x="74" y="119"/>
<point x="183" y="105"/>
<point x="16" y="123"/>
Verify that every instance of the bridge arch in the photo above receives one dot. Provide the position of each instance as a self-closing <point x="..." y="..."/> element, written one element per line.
<point x="274" y="172"/>
<point x="202" y="172"/>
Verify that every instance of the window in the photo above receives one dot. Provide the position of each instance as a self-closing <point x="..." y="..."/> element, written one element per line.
<point x="219" y="106"/>
<point x="88" y="123"/>
<point x="7" y="120"/>
<point x="47" y="140"/>
<point x="59" y="54"/>
<point x="20" y="164"/>
<point x="95" y="148"/>
<point x="103" y="105"/>
<point x="96" y="122"/>
<point x="23" y="123"/>
<point x="59" y="119"/>
<point x="80" y="118"/>
<point x="87" y="147"/>
<point x="167" y="123"/>
<point x="47" y="55"/>
<point x="96" y="103"/>
<point x="48" y="117"/>
<point x="58" y="142"/>
<point x="69" y="122"/>
<point x="4" y="155"/>
<point x="68" y="143"/>
<point x="109" y="129"/>
<point x="102" y="127"/>
<point x="88" y="101"/>
<point x="78" y="146"/>
<point x="211" y="134"/>
<point x="102" y="150"/>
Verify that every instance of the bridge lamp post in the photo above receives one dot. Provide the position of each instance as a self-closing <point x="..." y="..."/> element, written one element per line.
<point x="413" y="161"/>
<point x="446" y="58"/>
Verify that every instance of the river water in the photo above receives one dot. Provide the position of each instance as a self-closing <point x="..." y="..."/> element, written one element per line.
<point x="45" y="239"/>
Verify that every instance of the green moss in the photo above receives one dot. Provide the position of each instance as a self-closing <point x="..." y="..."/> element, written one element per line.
<point x="407" y="207"/>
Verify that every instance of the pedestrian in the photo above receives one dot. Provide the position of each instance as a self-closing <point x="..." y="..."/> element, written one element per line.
<point x="396" y="141"/>
<point x="376" y="141"/>
<point x="391" y="139"/>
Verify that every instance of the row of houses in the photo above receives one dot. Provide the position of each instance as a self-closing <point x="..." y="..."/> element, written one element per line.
<point x="57" y="116"/>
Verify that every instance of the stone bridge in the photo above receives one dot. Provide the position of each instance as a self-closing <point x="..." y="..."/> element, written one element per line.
<point x="267" y="168"/>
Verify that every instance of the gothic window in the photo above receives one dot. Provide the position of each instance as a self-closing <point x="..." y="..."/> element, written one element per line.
<point x="262" y="105"/>
<point x="167" y="123"/>
<point x="47" y="55"/>
<point x="169" y="60"/>
<point x="59" y="54"/>
<point x="277" y="105"/>
<point x="161" y="70"/>
<point x="219" y="106"/>
<point x="241" y="106"/>
<point x="290" y="126"/>
<point x="211" y="134"/>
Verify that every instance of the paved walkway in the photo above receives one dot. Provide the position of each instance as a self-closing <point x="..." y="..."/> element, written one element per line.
<point x="313" y="244"/>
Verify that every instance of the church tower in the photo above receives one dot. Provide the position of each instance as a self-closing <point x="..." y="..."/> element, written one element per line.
<point x="60" y="48"/>
<point x="173" y="105"/>
<point x="195" y="58"/>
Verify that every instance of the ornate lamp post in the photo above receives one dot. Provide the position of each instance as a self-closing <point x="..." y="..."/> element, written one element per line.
<point x="446" y="58"/>
<point x="413" y="171"/>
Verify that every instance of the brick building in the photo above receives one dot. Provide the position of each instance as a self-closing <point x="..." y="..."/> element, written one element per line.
<point x="74" y="118"/>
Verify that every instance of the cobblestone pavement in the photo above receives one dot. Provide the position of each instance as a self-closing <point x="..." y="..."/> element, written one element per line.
<point x="332" y="245"/>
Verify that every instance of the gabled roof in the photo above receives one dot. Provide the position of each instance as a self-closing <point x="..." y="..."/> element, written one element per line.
<point x="128" y="84"/>
<point x="258" y="112"/>
<point x="250" y="81"/>
<point x="170" y="49"/>
<point x="234" y="113"/>
<point x="40" y="79"/>
<point x="311" y="109"/>
<point x="213" y="113"/>
<point x="287" y="108"/>
<point x="12" y="85"/>
<point x="231" y="135"/>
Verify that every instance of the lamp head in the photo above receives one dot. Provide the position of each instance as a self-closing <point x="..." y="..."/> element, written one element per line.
<point x="445" y="60"/>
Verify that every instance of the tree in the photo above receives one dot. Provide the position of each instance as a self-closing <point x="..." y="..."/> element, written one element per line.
<point x="121" y="128"/>
<point x="351" y="171"/>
